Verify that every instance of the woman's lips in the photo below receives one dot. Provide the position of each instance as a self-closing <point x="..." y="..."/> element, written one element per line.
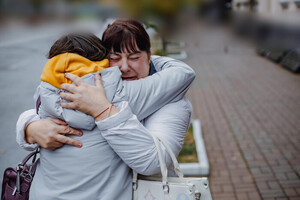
<point x="132" y="78"/>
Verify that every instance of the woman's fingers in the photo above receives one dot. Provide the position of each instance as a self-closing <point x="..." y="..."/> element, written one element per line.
<point x="50" y="134"/>
<point x="69" y="87"/>
<point x="75" y="79"/>
<point x="67" y="130"/>
<point x="98" y="81"/>
<point x="69" y="105"/>
<point x="63" y="130"/>
<point x="67" y="140"/>
<point x="84" y="97"/>
<point x="55" y="145"/>
<point x="59" y="122"/>
<point x="67" y="96"/>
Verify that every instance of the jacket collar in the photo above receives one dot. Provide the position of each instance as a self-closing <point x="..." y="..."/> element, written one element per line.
<point x="152" y="69"/>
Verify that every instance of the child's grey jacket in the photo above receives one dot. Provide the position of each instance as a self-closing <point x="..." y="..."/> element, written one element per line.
<point x="99" y="170"/>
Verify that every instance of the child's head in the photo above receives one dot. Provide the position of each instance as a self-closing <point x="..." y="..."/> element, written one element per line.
<point x="85" y="44"/>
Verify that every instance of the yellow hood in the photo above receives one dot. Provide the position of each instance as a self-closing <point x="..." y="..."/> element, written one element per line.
<point x="55" y="69"/>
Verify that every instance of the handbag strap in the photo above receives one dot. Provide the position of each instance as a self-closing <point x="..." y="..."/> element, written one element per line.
<point x="34" y="153"/>
<point x="173" y="157"/>
<point x="162" y="163"/>
<point x="31" y="170"/>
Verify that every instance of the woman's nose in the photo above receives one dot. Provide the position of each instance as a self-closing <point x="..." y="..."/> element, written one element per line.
<point x="124" y="67"/>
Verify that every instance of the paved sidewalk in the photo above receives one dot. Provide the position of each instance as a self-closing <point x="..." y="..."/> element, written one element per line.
<point x="250" y="112"/>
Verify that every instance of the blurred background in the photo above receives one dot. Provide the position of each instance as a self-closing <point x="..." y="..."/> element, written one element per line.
<point x="272" y="24"/>
<point x="246" y="54"/>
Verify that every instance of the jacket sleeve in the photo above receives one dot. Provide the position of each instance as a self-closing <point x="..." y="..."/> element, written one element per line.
<point x="169" y="84"/>
<point x="50" y="108"/>
<point x="24" y="119"/>
<point x="133" y="142"/>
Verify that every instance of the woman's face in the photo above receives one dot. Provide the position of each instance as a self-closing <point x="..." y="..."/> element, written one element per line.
<point x="132" y="65"/>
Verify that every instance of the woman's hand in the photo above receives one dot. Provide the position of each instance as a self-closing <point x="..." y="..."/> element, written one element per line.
<point x="50" y="134"/>
<point x="86" y="98"/>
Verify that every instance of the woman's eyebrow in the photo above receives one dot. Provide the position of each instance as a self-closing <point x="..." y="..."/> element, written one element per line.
<point x="114" y="53"/>
<point x="133" y="53"/>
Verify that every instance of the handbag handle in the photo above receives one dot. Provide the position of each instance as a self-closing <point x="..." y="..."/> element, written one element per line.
<point x="34" y="153"/>
<point x="31" y="170"/>
<point x="158" y="139"/>
<point x="162" y="163"/>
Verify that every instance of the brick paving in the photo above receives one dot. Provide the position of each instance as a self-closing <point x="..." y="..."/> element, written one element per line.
<point x="249" y="108"/>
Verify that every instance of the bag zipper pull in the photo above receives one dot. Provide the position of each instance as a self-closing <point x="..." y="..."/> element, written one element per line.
<point x="14" y="192"/>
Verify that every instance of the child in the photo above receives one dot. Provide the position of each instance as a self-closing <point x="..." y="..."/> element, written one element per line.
<point x="69" y="168"/>
<point x="79" y="54"/>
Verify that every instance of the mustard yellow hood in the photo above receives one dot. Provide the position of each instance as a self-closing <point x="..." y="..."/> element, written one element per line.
<point x="55" y="69"/>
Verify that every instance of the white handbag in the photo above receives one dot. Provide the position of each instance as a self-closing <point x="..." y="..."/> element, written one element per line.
<point x="169" y="188"/>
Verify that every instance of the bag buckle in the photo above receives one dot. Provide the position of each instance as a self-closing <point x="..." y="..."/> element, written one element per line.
<point x="134" y="185"/>
<point x="166" y="188"/>
<point x="197" y="195"/>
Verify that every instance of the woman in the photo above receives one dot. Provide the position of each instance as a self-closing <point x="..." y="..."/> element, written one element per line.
<point x="126" y="142"/>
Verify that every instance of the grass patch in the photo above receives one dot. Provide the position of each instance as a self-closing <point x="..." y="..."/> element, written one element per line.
<point x="188" y="153"/>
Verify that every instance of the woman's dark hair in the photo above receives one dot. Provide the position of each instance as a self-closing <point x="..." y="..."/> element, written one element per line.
<point x="127" y="35"/>
<point x="85" y="44"/>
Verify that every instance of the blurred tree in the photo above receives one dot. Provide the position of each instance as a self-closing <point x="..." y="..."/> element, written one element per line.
<point x="162" y="15"/>
<point x="252" y="4"/>
<point x="1" y="9"/>
<point x="37" y="10"/>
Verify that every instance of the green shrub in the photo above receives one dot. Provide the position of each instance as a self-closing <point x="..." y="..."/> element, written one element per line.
<point x="188" y="153"/>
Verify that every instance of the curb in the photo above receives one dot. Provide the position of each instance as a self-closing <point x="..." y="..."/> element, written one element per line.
<point x="202" y="166"/>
